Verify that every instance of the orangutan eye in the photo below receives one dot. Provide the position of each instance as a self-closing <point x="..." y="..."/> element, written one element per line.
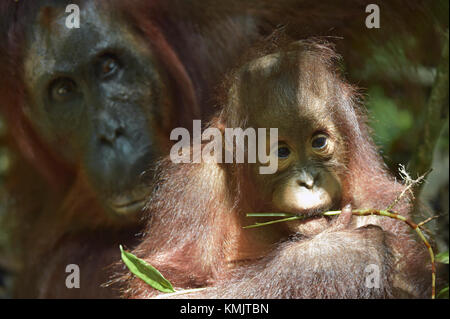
<point x="108" y="65"/>
<point x="61" y="89"/>
<point x="283" y="152"/>
<point x="319" y="142"/>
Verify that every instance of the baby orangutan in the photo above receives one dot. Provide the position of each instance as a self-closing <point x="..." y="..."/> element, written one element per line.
<point x="326" y="161"/>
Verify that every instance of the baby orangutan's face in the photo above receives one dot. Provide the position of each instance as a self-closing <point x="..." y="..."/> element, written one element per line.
<point x="310" y="151"/>
<point x="305" y="183"/>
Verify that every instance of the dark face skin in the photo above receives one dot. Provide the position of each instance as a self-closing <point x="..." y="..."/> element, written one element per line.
<point x="277" y="94"/>
<point x="92" y="95"/>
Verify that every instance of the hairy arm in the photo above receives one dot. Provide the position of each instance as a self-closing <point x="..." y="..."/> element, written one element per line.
<point x="330" y="265"/>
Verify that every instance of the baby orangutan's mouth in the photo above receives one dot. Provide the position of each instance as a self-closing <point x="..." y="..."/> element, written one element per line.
<point x="312" y="221"/>
<point x="310" y="226"/>
<point x="311" y="212"/>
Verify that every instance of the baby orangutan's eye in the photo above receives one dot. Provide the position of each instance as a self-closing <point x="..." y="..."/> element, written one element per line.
<point x="283" y="152"/>
<point x="319" y="142"/>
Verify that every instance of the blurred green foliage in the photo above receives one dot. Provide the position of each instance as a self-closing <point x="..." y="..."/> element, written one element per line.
<point x="388" y="121"/>
<point x="396" y="81"/>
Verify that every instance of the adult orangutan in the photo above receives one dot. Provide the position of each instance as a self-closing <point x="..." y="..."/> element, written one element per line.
<point x="88" y="110"/>
<point x="326" y="161"/>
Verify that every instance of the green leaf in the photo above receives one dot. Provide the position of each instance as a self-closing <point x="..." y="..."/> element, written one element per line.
<point x="443" y="294"/>
<point x="442" y="257"/>
<point x="146" y="272"/>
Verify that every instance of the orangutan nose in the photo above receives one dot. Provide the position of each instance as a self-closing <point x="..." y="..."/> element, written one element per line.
<point x="306" y="179"/>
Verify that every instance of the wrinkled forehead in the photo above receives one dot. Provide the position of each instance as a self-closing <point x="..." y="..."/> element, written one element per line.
<point x="49" y="31"/>
<point x="54" y="46"/>
<point x="287" y="90"/>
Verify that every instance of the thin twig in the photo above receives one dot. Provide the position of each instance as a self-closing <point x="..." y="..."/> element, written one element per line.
<point x="273" y="222"/>
<point x="427" y="220"/>
<point x="409" y="185"/>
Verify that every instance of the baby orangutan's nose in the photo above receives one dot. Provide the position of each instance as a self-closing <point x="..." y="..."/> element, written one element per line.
<point x="306" y="180"/>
